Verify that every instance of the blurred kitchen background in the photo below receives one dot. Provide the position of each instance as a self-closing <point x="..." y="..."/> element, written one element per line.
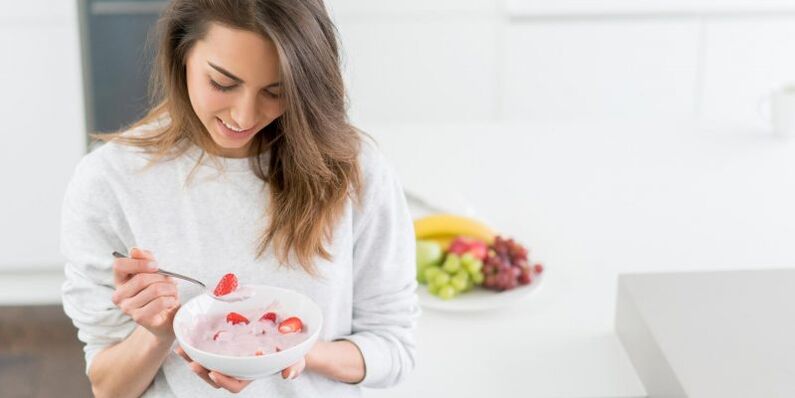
<point x="610" y="137"/>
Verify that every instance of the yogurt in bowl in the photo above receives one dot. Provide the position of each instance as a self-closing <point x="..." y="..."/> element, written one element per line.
<point x="252" y="338"/>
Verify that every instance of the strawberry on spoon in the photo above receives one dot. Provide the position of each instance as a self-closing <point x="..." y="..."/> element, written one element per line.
<point x="228" y="285"/>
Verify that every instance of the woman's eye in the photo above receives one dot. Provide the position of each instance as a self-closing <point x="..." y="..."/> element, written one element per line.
<point x="220" y="87"/>
<point x="272" y="95"/>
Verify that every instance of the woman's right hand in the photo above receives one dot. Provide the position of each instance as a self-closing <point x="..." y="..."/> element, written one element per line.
<point x="150" y="299"/>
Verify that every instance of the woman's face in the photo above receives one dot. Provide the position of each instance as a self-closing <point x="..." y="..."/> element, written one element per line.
<point x="234" y="86"/>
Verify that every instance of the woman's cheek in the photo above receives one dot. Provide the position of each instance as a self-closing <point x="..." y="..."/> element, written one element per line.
<point x="213" y="101"/>
<point x="274" y="109"/>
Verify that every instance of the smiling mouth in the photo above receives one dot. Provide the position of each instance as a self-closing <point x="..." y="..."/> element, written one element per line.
<point x="239" y="131"/>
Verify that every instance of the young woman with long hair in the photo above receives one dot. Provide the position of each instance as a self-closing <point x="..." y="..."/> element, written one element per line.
<point x="246" y="163"/>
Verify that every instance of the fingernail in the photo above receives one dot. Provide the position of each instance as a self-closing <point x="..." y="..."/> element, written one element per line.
<point x="152" y="265"/>
<point x="291" y="375"/>
<point x="212" y="377"/>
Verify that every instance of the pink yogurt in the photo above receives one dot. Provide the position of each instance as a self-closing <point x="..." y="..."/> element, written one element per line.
<point x="213" y="334"/>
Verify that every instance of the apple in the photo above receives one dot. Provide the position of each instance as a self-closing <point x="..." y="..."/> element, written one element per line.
<point x="429" y="253"/>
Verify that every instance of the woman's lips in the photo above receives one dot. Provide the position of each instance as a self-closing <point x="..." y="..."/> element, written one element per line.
<point x="232" y="133"/>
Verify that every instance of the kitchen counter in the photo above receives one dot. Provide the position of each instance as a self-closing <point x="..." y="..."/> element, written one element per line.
<point x="711" y="334"/>
<point x="540" y="347"/>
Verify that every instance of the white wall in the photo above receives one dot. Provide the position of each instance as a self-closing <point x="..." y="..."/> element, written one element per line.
<point x="43" y="127"/>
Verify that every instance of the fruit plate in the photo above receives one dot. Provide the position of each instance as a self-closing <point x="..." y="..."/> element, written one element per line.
<point x="478" y="299"/>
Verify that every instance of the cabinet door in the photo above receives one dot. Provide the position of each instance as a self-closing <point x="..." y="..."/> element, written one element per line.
<point x="415" y="71"/>
<point x="561" y="70"/>
<point x="43" y="133"/>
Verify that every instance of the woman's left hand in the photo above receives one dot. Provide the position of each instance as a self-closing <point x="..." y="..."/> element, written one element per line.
<point x="231" y="384"/>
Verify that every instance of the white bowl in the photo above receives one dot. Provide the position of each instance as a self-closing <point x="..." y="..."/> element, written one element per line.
<point x="291" y="303"/>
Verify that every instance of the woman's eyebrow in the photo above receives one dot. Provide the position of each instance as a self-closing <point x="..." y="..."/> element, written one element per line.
<point x="235" y="78"/>
<point x="225" y="72"/>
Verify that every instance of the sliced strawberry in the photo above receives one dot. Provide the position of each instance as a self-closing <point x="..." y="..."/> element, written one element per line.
<point x="291" y="325"/>
<point x="235" y="318"/>
<point x="259" y="353"/>
<point x="268" y="316"/>
<point x="538" y="268"/>
<point x="226" y="285"/>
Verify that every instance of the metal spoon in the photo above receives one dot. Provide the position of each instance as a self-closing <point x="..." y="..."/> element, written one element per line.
<point x="232" y="297"/>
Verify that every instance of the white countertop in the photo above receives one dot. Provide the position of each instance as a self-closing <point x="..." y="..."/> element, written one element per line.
<point x="711" y="334"/>
<point x="541" y="347"/>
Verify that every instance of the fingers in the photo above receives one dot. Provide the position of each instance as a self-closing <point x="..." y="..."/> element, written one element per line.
<point x="215" y="379"/>
<point x="139" y="253"/>
<point x="203" y="373"/>
<point x="149" y="294"/>
<point x="153" y="314"/>
<point x="182" y="354"/>
<point x="294" y="370"/>
<point x="138" y="284"/>
<point x="140" y="261"/>
<point x="231" y="384"/>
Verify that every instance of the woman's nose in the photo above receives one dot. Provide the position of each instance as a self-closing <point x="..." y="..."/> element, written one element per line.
<point x="246" y="112"/>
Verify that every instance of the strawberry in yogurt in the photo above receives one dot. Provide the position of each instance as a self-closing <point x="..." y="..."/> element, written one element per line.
<point x="246" y="333"/>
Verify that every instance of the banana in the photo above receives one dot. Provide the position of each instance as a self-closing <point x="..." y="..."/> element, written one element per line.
<point x="450" y="225"/>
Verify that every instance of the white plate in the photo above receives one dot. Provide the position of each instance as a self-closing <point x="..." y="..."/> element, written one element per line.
<point x="477" y="299"/>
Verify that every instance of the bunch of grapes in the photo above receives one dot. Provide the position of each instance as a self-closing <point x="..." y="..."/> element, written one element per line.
<point x="457" y="274"/>
<point x="507" y="266"/>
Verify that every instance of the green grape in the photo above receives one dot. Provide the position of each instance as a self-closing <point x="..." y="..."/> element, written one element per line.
<point x="441" y="279"/>
<point x="421" y="273"/>
<point x="474" y="266"/>
<point x="451" y="264"/>
<point x="467" y="258"/>
<point x="462" y="274"/>
<point x="446" y="292"/>
<point x="433" y="289"/>
<point x="431" y="272"/>
<point x="477" y="278"/>
<point x="459" y="284"/>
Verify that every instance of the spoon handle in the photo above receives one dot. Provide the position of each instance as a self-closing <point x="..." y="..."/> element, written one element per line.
<point x="168" y="273"/>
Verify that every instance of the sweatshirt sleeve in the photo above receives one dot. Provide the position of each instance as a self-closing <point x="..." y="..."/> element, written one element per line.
<point x="89" y="235"/>
<point x="385" y="308"/>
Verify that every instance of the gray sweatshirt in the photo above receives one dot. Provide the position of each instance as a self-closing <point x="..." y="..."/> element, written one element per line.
<point x="210" y="227"/>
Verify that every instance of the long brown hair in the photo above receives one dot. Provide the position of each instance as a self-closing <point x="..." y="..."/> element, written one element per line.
<point x="313" y="166"/>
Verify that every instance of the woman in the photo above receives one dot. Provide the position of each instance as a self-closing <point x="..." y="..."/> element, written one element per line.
<point x="247" y="164"/>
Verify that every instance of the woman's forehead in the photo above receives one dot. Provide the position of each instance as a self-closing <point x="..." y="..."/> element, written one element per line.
<point x="246" y="55"/>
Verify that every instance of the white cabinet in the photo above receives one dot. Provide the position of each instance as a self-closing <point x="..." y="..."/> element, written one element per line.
<point x="43" y="128"/>
<point x="600" y="69"/>
<point x="406" y="70"/>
